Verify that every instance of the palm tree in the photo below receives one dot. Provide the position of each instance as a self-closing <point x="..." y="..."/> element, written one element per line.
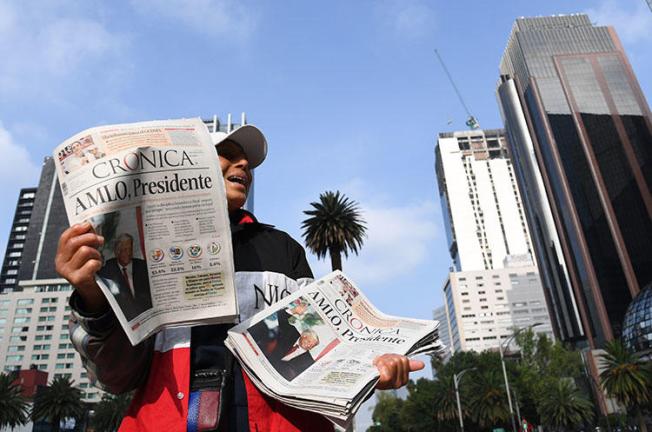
<point x="13" y="407"/>
<point x="562" y="406"/>
<point x="334" y="226"/>
<point x="58" y="401"/>
<point x="626" y="378"/>
<point x="109" y="411"/>
<point x="488" y="399"/>
<point x="445" y="402"/>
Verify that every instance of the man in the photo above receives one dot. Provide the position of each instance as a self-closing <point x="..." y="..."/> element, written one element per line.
<point x="287" y="350"/>
<point x="186" y="378"/>
<point x="127" y="279"/>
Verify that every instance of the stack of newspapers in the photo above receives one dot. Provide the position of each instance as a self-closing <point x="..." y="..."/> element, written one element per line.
<point x="314" y="350"/>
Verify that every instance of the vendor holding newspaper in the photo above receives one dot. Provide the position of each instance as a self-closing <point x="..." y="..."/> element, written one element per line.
<point x="186" y="377"/>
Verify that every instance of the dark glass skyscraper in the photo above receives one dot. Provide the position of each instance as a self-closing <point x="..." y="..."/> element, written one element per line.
<point x="17" y="238"/>
<point x="580" y="132"/>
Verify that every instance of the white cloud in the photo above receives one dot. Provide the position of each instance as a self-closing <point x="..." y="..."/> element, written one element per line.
<point x="214" y="18"/>
<point x="16" y="167"/>
<point x="16" y="171"/>
<point x="409" y="19"/>
<point x="633" y="25"/>
<point x="45" y="47"/>
<point x="399" y="237"/>
<point x="397" y="243"/>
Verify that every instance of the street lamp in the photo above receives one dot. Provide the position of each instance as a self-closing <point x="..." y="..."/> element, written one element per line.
<point x="502" y="361"/>
<point x="456" y="381"/>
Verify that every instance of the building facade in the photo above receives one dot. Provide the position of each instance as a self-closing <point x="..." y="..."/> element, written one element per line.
<point x="34" y="333"/>
<point x="484" y="219"/>
<point x="493" y="287"/>
<point x="16" y="243"/>
<point x="580" y="129"/>
<point x="484" y="307"/>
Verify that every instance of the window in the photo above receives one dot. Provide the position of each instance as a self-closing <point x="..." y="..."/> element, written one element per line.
<point x="48" y="309"/>
<point x="22" y="320"/>
<point x="46" y="318"/>
<point x="66" y="346"/>
<point x="25" y="302"/>
<point x="19" y="329"/>
<point x="14" y="358"/>
<point x="15" y="348"/>
<point x="40" y="356"/>
<point x="23" y="311"/>
<point x="18" y="339"/>
<point x="42" y="347"/>
<point x="64" y="336"/>
<point x="43" y="337"/>
<point x="44" y="328"/>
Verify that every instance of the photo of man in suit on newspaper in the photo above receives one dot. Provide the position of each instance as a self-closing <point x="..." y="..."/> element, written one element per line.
<point x="127" y="278"/>
<point x="292" y="339"/>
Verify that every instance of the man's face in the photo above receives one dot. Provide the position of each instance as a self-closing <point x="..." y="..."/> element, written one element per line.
<point x="124" y="252"/>
<point x="76" y="149"/>
<point x="236" y="172"/>
<point x="299" y="309"/>
<point x="308" y="340"/>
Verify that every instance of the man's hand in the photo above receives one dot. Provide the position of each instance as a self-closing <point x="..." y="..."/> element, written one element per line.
<point x="395" y="370"/>
<point x="78" y="260"/>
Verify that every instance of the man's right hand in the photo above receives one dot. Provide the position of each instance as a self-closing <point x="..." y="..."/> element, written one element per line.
<point x="78" y="260"/>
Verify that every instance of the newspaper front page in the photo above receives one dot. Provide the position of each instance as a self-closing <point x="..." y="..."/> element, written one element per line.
<point x="155" y="191"/>
<point x="315" y="349"/>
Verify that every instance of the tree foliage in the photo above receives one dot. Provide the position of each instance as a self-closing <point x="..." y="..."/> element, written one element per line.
<point x="547" y="382"/>
<point x="110" y="411"/>
<point x="334" y="227"/>
<point x="562" y="406"/>
<point x="58" y="401"/>
<point x="13" y="407"/>
<point x="387" y="412"/>
<point x="627" y="378"/>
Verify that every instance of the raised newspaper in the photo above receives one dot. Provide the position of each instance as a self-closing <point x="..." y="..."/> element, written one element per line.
<point x="314" y="349"/>
<point x="155" y="192"/>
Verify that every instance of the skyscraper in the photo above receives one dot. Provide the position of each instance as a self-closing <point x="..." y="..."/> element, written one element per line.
<point x="580" y="131"/>
<point x="493" y="285"/>
<point x="17" y="237"/>
<point x="484" y="219"/>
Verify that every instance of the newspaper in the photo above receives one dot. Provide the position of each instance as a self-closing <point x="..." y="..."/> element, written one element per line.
<point x="314" y="349"/>
<point x="155" y="191"/>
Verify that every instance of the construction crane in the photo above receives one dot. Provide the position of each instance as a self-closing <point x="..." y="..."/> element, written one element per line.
<point x="471" y="121"/>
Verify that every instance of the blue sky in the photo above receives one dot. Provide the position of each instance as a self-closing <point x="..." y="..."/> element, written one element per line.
<point x="348" y="93"/>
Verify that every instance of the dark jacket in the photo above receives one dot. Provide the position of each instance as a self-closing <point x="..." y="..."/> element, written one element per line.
<point x="269" y="265"/>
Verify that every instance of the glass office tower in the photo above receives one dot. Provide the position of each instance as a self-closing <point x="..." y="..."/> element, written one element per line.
<point x="580" y="131"/>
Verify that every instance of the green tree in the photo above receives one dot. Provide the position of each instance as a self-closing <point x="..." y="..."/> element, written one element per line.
<point x="386" y="415"/>
<point x="110" y="411"/>
<point x="542" y="362"/>
<point x="334" y="227"/>
<point x="626" y="378"/>
<point x="562" y="406"/>
<point x="417" y="411"/>
<point x="488" y="398"/>
<point x="13" y="407"/>
<point x="445" y="402"/>
<point x="58" y="401"/>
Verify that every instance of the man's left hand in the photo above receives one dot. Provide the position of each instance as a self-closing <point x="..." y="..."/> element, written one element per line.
<point x="395" y="370"/>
